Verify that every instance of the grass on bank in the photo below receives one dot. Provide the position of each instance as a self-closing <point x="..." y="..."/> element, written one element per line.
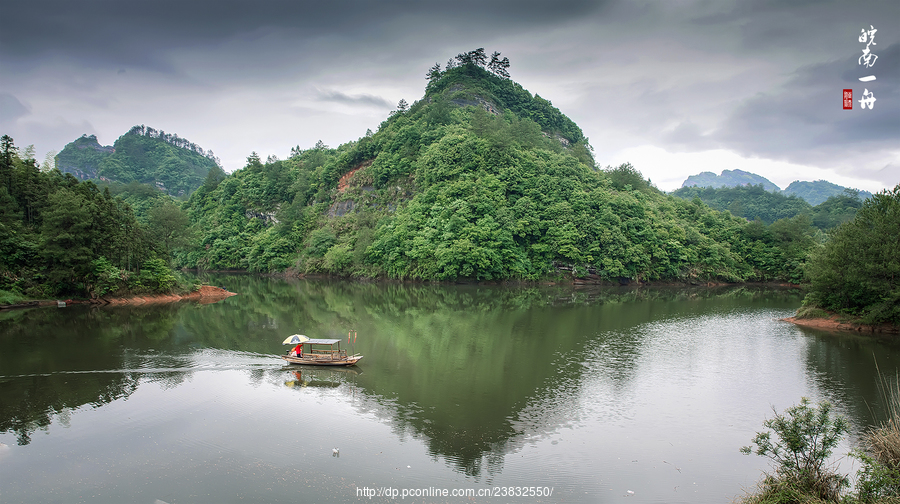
<point x="9" y="298"/>
<point x="812" y="312"/>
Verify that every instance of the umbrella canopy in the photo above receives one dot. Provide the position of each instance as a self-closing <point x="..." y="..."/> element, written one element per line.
<point x="295" y="339"/>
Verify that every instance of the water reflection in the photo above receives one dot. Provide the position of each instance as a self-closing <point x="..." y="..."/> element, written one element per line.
<point x="847" y="366"/>
<point x="53" y="361"/>
<point x="474" y="373"/>
<point x="308" y="376"/>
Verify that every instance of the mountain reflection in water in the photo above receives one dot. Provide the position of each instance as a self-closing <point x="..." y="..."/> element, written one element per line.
<point x="473" y="373"/>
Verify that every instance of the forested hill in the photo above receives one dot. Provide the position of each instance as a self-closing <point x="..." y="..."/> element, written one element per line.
<point x="818" y="191"/>
<point x="754" y="202"/>
<point x="477" y="180"/>
<point x="729" y="178"/>
<point x="166" y="161"/>
<point x="813" y="193"/>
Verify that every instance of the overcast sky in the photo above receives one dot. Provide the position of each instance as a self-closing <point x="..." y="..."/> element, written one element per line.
<point x="674" y="87"/>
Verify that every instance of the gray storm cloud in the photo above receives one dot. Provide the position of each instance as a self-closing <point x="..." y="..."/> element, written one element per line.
<point x="761" y="79"/>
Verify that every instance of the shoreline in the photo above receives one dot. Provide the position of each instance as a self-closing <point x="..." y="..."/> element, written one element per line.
<point x="834" y="323"/>
<point x="206" y="294"/>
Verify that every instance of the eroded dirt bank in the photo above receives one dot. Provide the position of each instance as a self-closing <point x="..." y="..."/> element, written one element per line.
<point x="833" y="323"/>
<point x="206" y="294"/>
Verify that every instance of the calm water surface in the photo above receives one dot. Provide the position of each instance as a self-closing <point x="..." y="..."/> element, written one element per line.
<point x="595" y="395"/>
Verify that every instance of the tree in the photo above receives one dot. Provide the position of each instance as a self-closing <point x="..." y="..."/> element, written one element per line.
<point x="29" y="189"/>
<point x="29" y="152"/>
<point x="253" y="160"/>
<point x="464" y="59"/>
<point x="626" y="177"/>
<point x="8" y="154"/>
<point x="213" y="178"/>
<point x="499" y="67"/>
<point x="49" y="161"/>
<point x="476" y="57"/>
<point x="168" y="225"/>
<point x="402" y="106"/>
<point x="66" y="236"/>
<point x="857" y="271"/>
<point x="434" y="73"/>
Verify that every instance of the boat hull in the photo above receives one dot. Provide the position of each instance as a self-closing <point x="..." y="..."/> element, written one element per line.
<point x="307" y="361"/>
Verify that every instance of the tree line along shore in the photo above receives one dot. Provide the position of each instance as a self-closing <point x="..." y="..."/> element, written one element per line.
<point x="478" y="181"/>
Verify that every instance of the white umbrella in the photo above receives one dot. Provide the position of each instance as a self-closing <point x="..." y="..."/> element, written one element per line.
<point x="295" y="339"/>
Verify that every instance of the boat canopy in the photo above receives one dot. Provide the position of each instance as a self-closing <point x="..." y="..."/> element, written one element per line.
<point x="321" y="342"/>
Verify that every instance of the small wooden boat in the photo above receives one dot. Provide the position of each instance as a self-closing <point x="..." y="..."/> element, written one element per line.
<point x="323" y="352"/>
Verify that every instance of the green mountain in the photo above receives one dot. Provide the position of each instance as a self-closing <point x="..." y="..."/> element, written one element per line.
<point x="754" y="202"/>
<point x="145" y="155"/>
<point x="729" y="178"/>
<point x="820" y="190"/>
<point x="82" y="158"/>
<point x="63" y="237"/>
<point x="747" y="201"/>
<point x="813" y="192"/>
<point x="477" y="180"/>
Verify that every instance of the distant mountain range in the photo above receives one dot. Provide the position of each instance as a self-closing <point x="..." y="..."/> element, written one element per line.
<point x="166" y="161"/>
<point x="813" y="192"/>
<point x="729" y="178"/>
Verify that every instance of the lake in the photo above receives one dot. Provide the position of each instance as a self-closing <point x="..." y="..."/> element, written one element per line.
<point x="530" y="394"/>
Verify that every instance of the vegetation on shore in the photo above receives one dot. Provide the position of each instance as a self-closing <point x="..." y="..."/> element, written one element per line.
<point x="857" y="272"/>
<point x="477" y="181"/>
<point x="63" y="237"/>
<point x="805" y="437"/>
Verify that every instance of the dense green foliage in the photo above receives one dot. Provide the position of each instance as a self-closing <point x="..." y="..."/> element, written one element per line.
<point x="479" y="180"/>
<point x="144" y="155"/>
<point x="83" y="157"/>
<point x="748" y="201"/>
<point x="836" y="210"/>
<point x="60" y="236"/>
<point x="754" y="202"/>
<point x="471" y="85"/>
<point x="142" y="198"/>
<point x="857" y="271"/>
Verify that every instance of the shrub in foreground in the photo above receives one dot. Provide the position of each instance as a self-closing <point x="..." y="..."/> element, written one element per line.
<point x="805" y="436"/>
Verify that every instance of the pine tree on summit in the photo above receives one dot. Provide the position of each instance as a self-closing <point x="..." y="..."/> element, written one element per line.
<point x="499" y="67"/>
<point x="476" y="57"/>
<point x="434" y="73"/>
